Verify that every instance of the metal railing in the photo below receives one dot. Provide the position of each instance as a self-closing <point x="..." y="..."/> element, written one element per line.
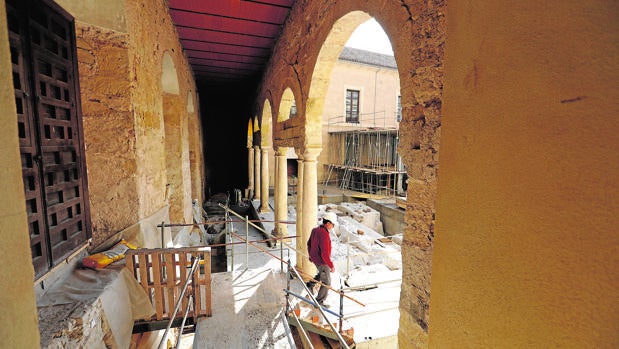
<point x="291" y="272"/>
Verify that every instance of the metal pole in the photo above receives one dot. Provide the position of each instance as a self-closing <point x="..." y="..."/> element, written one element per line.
<point x="288" y="277"/>
<point x="246" y="242"/>
<point x="321" y="310"/>
<point x="162" y="232"/>
<point x="229" y="233"/>
<point x="194" y="264"/>
<point x="281" y="251"/>
<point x="341" y="305"/>
<point x="180" y="333"/>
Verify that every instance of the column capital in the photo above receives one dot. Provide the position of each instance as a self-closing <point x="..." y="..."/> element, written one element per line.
<point x="281" y="151"/>
<point x="299" y="153"/>
<point x="311" y="154"/>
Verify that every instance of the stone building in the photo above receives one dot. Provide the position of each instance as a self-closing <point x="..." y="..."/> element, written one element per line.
<point x="508" y="134"/>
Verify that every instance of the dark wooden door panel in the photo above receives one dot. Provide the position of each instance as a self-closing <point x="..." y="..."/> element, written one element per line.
<point x="47" y="102"/>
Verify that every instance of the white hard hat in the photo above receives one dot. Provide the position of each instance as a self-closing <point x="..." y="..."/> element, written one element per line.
<point x="331" y="217"/>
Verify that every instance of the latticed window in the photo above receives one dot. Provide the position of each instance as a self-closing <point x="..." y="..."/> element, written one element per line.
<point x="352" y="106"/>
<point x="42" y="41"/>
<point x="398" y="110"/>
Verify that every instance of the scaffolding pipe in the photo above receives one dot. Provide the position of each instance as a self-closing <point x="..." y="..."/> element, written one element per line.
<point x="296" y="318"/>
<point x="263" y="231"/>
<point x="194" y="265"/>
<point x="311" y="278"/>
<point x="320" y="309"/>
<point x="180" y="333"/>
<point x="246" y="243"/>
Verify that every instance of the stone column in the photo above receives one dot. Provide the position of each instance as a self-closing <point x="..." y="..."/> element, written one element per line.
<point x="250" y="172"/>
<point x="256" y="172"/>
<point x="264" y="181"/>
<point x="281" y="191"/>
<point x="301" y="260"/>
<point x="310" y="201"/>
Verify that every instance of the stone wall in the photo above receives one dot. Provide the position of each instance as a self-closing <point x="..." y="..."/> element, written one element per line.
<point x="128" y="146"/>
<point x="109" y="132"/>
<point x="303" y="60"/>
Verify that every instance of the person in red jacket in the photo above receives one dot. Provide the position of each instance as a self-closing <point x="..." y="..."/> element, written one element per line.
<point x="319" y="248"/>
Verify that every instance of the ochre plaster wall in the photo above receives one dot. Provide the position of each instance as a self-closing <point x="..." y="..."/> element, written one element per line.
<point x="18" y="325"/>
<point x="416" y="30"/>
<point x="526" y="252"/>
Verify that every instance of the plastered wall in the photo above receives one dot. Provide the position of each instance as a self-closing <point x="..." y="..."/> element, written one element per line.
<point x="526" y="250"/>
<point x="18" y="327"/>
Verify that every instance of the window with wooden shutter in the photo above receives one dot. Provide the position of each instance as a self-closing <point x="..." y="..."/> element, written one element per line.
<point x="352" y="106"/>
<point x="45" y="80"/>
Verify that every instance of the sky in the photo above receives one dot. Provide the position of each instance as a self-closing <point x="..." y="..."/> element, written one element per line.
<point x="370" y="36"/>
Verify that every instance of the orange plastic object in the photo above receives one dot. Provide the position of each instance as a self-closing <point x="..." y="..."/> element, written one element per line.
<point x="103" y="259"/>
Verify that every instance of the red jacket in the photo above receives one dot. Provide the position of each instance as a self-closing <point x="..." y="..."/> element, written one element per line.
<point x="319" y="247"/>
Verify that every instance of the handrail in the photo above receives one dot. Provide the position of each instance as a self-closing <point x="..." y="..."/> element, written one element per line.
<point x="180" y="333"/>
<point x="168" y="225"/>
<point x="320" y="309"/>
<point x="268" y="234"/>
<point x="305" y="336"/>
<point x="194" y="265"/>
<point x="311" y="278"/>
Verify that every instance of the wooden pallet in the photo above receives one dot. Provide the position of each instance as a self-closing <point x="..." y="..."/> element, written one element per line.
<point x="162" y="273"/>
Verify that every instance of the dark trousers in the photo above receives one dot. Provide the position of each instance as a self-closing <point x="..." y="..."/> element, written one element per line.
<point x="324" y="276"/>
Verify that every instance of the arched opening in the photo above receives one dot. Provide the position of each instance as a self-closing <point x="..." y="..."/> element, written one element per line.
<point x="195" y="145"/>
<point x="169" y="78"/>
<point x="190" y="107"/>
<point x="267" y="170"/>
<point x="287" y="106"/>
<point x="360" y="123"/>
<point x="352" y="116"/>
<point x="177" y="157"/>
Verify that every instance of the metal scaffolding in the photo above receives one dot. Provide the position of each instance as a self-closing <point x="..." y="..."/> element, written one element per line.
<point x="363" y="155"/>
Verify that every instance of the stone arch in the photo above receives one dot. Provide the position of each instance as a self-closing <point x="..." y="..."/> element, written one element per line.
<point x="317" y="31"/>
<point x="266" y="125"/>
<point x="286" y="105"/>
<point x="190" y="106"/>
<point x="169" y="77"/>
<point x="250" y="132"/>
<point x="321" y="74"/>
<point x="176" y="138"/>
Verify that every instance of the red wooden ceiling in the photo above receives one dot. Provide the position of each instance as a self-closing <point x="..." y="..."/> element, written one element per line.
<point x="228" y="41"/>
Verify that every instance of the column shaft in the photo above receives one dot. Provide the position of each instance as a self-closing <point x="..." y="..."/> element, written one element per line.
<point x="281" y="191"/>
<point x="310" y="199"/>
<point x="250" y="172"/>
<point x="264" y="181"/>
<point x="301" y="260"/>
<point x="256" y="172"/>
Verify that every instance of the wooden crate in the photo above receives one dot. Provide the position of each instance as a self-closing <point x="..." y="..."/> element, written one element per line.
<point x="162" y="273"/>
